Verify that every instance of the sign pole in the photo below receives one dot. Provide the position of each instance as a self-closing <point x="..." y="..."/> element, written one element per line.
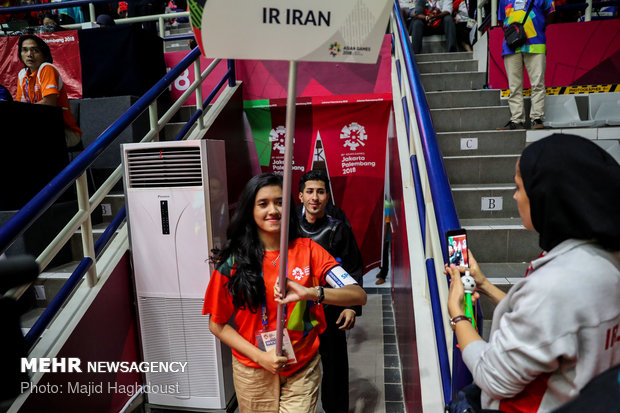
<point x="286" y="196"/>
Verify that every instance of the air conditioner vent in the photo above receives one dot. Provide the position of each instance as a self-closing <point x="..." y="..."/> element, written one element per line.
<point x="164" y="167"/>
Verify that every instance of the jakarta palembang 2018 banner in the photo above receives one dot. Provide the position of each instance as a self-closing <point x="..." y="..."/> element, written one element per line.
<point x="344" y="135"/>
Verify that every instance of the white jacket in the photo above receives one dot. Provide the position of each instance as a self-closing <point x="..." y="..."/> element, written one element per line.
<point x="554" y="331"/>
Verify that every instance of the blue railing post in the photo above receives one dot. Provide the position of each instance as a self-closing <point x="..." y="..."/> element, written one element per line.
<point x="232" y="80"/>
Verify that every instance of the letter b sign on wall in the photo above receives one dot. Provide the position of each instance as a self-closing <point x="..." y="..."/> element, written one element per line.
<point x="492" y="203"/>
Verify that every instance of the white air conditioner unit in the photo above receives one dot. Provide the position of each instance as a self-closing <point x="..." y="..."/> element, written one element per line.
<point x="177" y="212"/>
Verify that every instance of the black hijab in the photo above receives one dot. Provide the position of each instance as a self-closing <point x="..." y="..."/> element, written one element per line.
<point x="574" y="190"/>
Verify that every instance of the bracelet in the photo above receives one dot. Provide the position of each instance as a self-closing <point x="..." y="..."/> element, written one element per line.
<point x="457" y="319"/>
<point x="321" y="296"/>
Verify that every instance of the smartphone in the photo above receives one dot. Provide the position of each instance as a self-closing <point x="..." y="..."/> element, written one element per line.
<point x="456" y="245"/>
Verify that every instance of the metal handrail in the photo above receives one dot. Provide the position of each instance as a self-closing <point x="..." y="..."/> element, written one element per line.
<point x="441" y="217"/>
<point x="58" y="5"/>
<point x="50" y="6"/>
<point x="92" y="18"/>
<point x="75" y="172"/>
<point x="445" y="210"/>
<point x="439" y="185"/>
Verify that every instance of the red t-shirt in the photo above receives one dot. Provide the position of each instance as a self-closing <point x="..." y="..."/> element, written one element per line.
<point x="308" y="263"/>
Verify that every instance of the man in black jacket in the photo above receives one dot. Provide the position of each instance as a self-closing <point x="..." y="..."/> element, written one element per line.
<point x="337" y="238"/>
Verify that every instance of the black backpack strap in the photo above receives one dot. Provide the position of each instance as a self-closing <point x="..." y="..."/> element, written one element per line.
<point x="527" y="13"/>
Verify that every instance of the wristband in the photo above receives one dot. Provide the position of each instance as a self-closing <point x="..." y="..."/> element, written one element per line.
<point x="321" y="297"/>
<point x="457" y="319"/>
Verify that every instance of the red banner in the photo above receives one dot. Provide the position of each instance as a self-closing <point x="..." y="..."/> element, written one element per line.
<point x="346" y="135"/>
<point x="65" y="48"/>
<point x="268" y="124"/>
<point x="585" y="53"/>
<point x="269" y="79"/>
<point x="182" y="83"/>
<point x="353" y="136"/>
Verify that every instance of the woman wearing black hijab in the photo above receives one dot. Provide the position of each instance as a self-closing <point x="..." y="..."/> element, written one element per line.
<point x="558" y="327"/>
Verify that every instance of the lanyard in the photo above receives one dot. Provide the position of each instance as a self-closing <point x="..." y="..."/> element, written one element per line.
<point x="263" y="309"/>
<point x="264" y="316"/>
<point x="27" y="94"/>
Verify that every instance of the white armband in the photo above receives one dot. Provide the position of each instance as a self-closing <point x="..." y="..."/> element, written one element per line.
<point x="337" y="277"/>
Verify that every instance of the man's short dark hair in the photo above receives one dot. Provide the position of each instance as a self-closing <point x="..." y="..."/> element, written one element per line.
<point x="314" y="175"/>
<point x="45" y="49"/>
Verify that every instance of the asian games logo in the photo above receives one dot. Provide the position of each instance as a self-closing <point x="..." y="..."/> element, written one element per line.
<point x="354" y="136"/>
<point x="297" y="273"/>
<point x="278" y="136"/>
<point x="334" y="49"/>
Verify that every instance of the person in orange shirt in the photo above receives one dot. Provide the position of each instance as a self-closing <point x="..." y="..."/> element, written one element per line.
<point x="243" y="289"/>
<point x="40" y="82"/>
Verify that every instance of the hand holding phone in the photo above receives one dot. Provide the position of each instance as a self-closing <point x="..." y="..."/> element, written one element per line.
<point x="456" y="246"/>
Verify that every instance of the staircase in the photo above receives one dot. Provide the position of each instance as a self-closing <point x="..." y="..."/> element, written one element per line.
<point x="56" y="274"/>
<point x="175" y="30"/>
<point x="479" y="161"/>
<point x="51" y="280"/>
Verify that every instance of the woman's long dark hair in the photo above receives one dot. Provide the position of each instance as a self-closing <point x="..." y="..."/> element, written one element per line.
<point x="246" y="284"/>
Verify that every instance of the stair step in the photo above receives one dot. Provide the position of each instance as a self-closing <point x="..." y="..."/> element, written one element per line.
<point x="445" y="66"/>
<point x="485" y="201"/>
<point x="504" y="273"/>
<point x="463" y="98"/>
<point x="76" y="240"/>
<point x="111" y="205"/>
<point x="184" y="114"/>
<point x="453" y="81"/>
<point x="177" y="46"/>
<point x="480" y="169"/>
<point x="180" y="29"/>
<point x="501" y="240"/>
<point x="172" y="129"/>
<point x="52" y="280"/>
<point x="435" y="43"/>
<point x="471" y="143"/>
<point x="435" y="57"/>
<point x="469" y="118"/>
<point x="30" y="317"/>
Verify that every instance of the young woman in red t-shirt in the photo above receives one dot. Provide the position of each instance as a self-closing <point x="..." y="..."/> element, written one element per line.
<point x="243" y="288"/>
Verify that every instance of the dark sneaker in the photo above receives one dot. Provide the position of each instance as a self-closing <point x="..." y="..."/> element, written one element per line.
<point x="512" y="126"/>
<point x="537" y="124"/>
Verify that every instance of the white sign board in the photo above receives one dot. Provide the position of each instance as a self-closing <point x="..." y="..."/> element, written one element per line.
<point x="296" y="30"/>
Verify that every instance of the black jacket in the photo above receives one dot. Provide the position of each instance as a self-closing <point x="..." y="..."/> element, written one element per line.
<point x="338" y="239"/>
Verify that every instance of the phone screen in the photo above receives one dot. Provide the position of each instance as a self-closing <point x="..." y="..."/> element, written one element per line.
<point x="457" y="249"/>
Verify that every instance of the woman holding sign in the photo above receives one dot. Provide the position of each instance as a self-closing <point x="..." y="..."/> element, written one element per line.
<point x="243" y="288"/>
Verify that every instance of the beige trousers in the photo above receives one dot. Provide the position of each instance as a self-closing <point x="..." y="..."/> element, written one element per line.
<point x="260" y="391"/>
<point x="535" y="63"/>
